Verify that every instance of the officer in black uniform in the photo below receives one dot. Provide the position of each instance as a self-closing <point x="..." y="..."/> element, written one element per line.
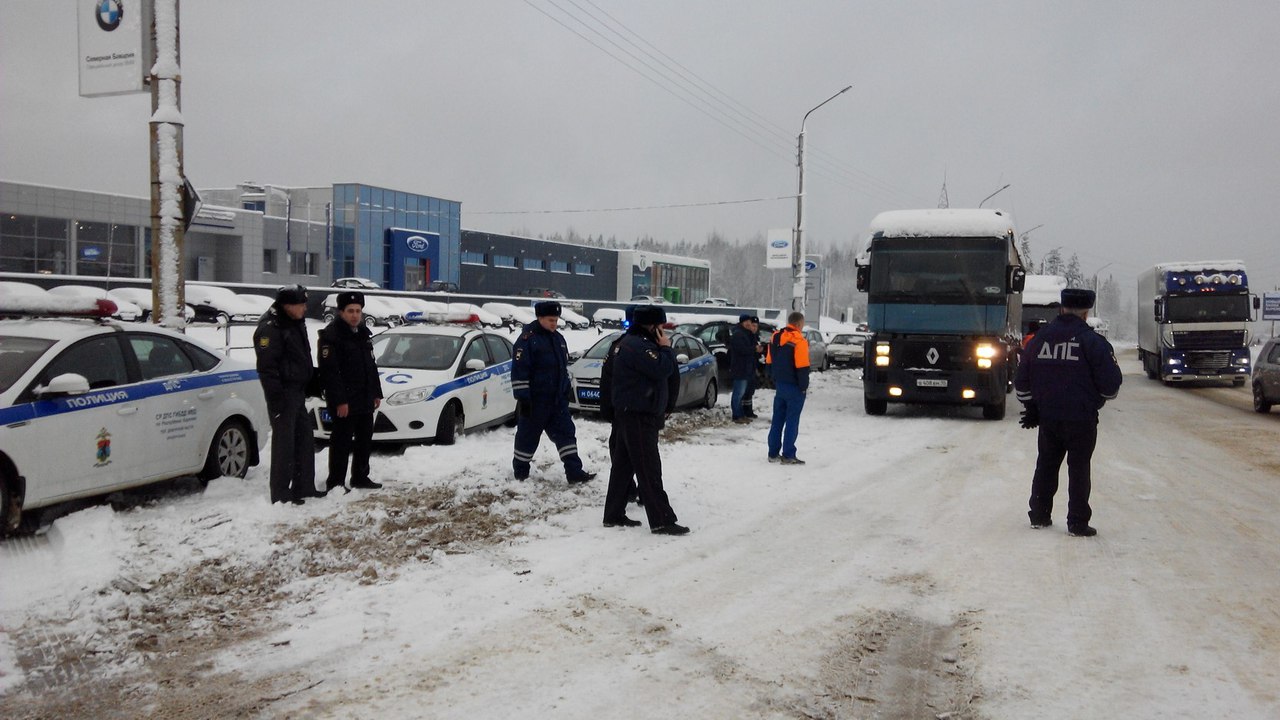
<point x="541" y="386"/>
<point x="646" y="381"/>
<point x="351" y="390"/>
<point x="1066" y="374"/>
<point x="285" y="370"/>
<point x="744" y="359"/>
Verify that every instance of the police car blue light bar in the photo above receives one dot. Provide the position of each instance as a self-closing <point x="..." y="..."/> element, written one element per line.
<point x="57" y="306"/>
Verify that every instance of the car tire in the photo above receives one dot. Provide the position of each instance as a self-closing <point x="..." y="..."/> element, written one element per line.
<point x="450" y="424"/>
<point x="9" y="517"/>
<point x="229" y="452"/>
<point x="329" y="317"/>
<point x="369" y="322"/>
<point x="874" y="407"/>
<point x="1260" y="403"/>
<point x="711" y="395"/>
<point x="222" y="318"/>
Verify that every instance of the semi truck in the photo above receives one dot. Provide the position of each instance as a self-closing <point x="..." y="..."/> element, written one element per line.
<point x="1193" y="321"/>
<point x="944" y="308"/>
<point x="1041" y="298"/>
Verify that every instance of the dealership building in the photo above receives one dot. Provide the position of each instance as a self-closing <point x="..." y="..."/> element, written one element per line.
<point x="274" y="235"/>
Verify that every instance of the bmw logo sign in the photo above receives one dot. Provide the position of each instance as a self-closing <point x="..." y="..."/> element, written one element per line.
<point x="109" y="13"/>
<point x="416" y="243"/>
<point x="779" y="243"/>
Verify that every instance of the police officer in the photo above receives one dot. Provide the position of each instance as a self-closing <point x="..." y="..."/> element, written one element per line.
<point x="351" y="390"/>
<point x="284" y="369"/>
<point x="788" y="358"/>
<point x="646" y="381"/>
<point x="744" y="354"/>
<point x="541" y="386"/>
<point x="1065" y="375"/>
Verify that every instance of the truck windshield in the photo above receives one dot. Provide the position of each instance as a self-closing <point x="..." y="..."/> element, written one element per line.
<point x="1207" y="308"/>
<point x="938" y="270"/>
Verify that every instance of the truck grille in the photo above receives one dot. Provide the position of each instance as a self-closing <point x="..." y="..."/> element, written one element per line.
<point x="1208" y="362"/>
<point x="947" y="354"/>
<point x="1208" y="339"/>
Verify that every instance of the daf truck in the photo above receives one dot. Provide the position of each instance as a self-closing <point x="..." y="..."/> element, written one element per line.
<point x="944" y="308"/>
<point x="1193" y="321"/>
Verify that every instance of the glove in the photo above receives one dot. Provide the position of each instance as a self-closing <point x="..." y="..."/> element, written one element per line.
<point x="1030" y="417"/>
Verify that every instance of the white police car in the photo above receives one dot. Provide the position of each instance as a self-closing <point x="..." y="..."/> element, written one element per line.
<point x="698" y="384"/>
<point x="90" y="406"/>
<point x="438" y="381"/>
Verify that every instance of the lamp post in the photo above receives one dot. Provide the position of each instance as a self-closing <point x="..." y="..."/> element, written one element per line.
<point x="797" y="255"/>
<point x="1098" y="272"/>
<point x="1006" y="187"/>
<point x="1042" y="257"/>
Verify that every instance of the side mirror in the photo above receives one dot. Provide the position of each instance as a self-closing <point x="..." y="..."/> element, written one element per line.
<point x="65" y="384"/>
<point x="1017" y="278"/>
<point x="1159" y="310"/>
<point x="475" y="364"/>
<point x="682" y="358"/>
<point x="863" y="277"/>
<point x="575" y="356"/>
<point x="1256" y="302"/>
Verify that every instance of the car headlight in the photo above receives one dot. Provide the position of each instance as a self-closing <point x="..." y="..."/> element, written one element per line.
<point x="412" y="395"/>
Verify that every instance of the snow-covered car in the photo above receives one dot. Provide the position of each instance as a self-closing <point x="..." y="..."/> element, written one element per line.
<point x="261" y="303"/>
<point x="609" y="317"/>
<point x="142" y="298"/>
<point x="488" y="319"/>
<point x="648" y="300"/>
<point x="356" y="283"/>
<point x="376" y="312"/>
<point x="11" y="288"/>
<point x="848" y="349"/>
<point x="91" y="406"/>
<point x="219" y="304"/>
<point x="573" y="319"/>
<point x="698" y="384"/>
<point x="125" y="310"/>
<point x="717" y="301"/>
<point x="438" y="381"/>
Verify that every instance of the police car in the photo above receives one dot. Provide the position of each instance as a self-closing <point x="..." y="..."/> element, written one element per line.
<point x="89" y="406"/>
<point x="698" y="384"/>
<point x="439" y="379"/>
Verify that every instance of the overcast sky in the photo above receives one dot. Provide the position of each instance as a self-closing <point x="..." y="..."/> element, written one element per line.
<point x="1132" y="132"/>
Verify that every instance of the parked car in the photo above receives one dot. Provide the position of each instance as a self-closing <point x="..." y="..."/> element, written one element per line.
<point x="609" y="317"/>
<point x="721" y="302"/>
<point x="125" y="310"/>
<point x="442" y="286"/>
<point x="648" y="300"/>
<point x="540" y="293"/>
<point x="715" y="335"/>
<point x="817" y="349"/>
<point x="355" y="283"/>
<point x="261" y="303"/>
<point x="142" y="298"/>
<point x="574" y="319"/>
<point x="698" y="384"/>
<point x="376" y="312"/>
<point x="1266" y="377"/>
<point x="848" y="349"/>
<point x="93" y="406"/>
<point x="438" y="381"/>
<point x="485" y="317"/>
<point x="219" y="304"/>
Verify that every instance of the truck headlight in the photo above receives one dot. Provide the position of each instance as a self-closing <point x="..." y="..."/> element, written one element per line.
<point x="412" y="395"/>
<point x="1175" y="361"/>
<point x="985" y="352"/>
<point x="882" y="354"/>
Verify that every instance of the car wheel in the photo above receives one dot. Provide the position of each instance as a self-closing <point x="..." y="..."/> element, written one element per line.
<point x="222" y="318"/>
<point x="8" y="515"/>
<point x="1260" y="403"/>
<point x="228" y="453"/>
<point x="329" y="317"/>
<point x="711" y="395"/>
<point x="450" y="425"/>
<point x="369" y="322"/>
<point x="873" y="406"/>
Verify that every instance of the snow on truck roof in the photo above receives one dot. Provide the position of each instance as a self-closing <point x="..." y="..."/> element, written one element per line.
<point x="938" y="222"/>
<point x="1043" y="290"/>
<point x="1215" y="265"/>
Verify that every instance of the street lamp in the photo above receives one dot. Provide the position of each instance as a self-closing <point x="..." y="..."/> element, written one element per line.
<point x="1042" y="257"/>
<point x="1098" y="272"/>
<point x="798" y="261"/>
<point x="1006" y="187"/>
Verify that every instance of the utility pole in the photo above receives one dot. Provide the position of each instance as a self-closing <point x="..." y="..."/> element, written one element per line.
<point x="167" y="179"/>
<point x="798" y="258"/>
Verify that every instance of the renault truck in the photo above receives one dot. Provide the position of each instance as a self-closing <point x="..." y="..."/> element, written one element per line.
<point x="1193" y="321"/>
<point x="943" y="308"/>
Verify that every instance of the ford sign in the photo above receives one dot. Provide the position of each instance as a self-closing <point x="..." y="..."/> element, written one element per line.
<point x="779" y="243"/>
<point x="416" y="243"/>
<point x="810" y="266"/>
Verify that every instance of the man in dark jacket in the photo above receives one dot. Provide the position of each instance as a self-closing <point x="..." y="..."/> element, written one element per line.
<point x="788" y="358"/>
<point x="352" y="392"/>
<point x="284" y="369"/>
<point x="1065" y="375"/>
<point x="541" y="386"/>
<point x="645" y="384"/>
<point x="744" y="355"/>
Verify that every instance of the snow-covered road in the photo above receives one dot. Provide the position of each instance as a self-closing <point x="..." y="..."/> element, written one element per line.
<point x="893" y="576"/>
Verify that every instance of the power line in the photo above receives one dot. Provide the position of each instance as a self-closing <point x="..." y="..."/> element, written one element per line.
<point x="635" y="207"/>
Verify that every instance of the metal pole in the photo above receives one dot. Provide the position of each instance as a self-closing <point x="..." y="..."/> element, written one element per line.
<point x="797" y="263"/>
<point x="166" y="156"/>
<point x="994" y="194"/>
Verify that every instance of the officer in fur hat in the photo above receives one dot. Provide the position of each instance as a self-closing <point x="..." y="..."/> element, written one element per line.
<point x="352" y="392"/>
<point x="284" y="369"/>
<point x="541" y="386"/>
<point x="1065" y="375"/>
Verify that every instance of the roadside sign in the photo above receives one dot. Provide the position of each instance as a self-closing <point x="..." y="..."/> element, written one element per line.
<point x="778" y="254"/>
<point x="1271" y="306"/>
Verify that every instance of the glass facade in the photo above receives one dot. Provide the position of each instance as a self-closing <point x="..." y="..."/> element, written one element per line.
<point x="363" y="213"/>
<point x="32" y="244"/>
<point x="677" y="283"/>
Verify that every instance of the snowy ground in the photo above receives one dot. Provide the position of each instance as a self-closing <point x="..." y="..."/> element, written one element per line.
<point x="893" y="576"/>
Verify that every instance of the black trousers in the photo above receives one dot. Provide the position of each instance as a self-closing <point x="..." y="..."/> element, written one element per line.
<point x="353" y="433"/>
<point x="1074" y="440"/>
<point x="634" y="451"/>
<point x="293" y="450"/>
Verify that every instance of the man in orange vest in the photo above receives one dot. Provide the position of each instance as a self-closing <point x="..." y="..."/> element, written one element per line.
<point x="788" y="359"/>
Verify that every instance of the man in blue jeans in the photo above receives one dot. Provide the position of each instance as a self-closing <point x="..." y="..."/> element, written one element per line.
<point x="788" y="358"/>
<point x="744" y="353"/>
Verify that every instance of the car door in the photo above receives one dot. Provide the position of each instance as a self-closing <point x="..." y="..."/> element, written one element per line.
<point x="80" y="445"/>
<point x="174" y="404"/>
<point x="502" y="402"/>
<point x="684" y="346"/>
<point x="474" y="390"/>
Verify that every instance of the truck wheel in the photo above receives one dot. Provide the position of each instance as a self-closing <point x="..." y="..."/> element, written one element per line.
<point x="994" y="411"/>
<point x="228" y="453"/>
<point x="1237" y="383"/>
<point x="1260" y="403"/>
<point x="450" y="425"/>
<point x="1150" y="366"/>
<point x="874" y="407"/>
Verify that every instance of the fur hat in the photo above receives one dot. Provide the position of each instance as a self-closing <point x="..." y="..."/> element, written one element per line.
<point x="349" y="297"/>
<point x="547" y="307"/>
<point x="1077" y="298"/>
<point x="748" y="316"/>
<point x="649" y="315"/>
<point x="291" y="295"/>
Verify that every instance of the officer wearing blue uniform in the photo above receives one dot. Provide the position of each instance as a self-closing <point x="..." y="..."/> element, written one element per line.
<point x="541" y="386"/>
<point x="1065" y="375"/>
<point x="285" y="371"/>
<point x="351" y="390"/>
<point x="744" y="359"/>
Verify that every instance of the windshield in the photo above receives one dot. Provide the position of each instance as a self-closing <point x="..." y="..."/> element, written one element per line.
<point x="416" y="352"/>
<point x="938" y="270"/>
<point x="847" y="340"/>
<point x="17" y="355"/>
<point x="1207" y="308"/>
<point x="601" y="348"/>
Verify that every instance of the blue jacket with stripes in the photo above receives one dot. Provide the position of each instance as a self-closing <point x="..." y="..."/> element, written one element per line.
<point x="540" y="366"/>
<point x="1068" y="370"/>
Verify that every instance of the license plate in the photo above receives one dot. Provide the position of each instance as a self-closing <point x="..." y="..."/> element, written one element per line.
<point x="929" y="382"/>
<point x="589" y="394"/>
